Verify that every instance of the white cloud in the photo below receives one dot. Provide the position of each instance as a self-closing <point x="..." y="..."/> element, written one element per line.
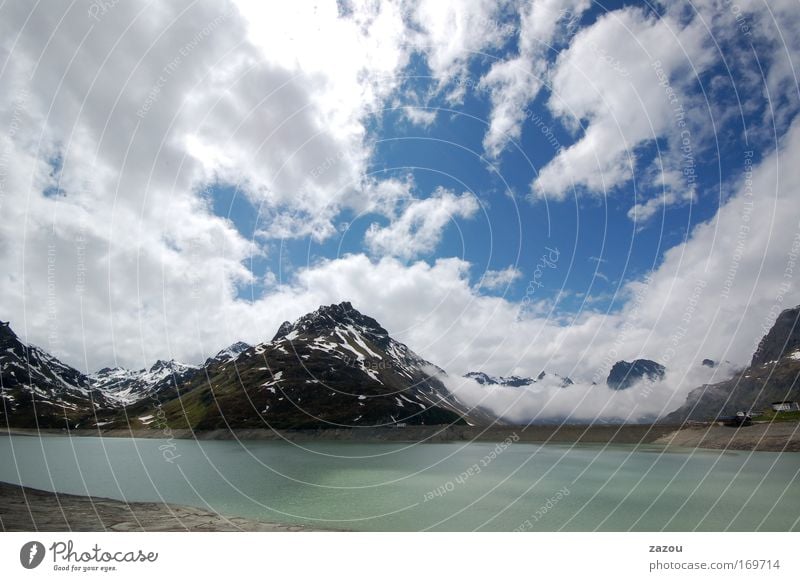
<point x="419" y="228"/>
<point x="515" y="82"/>
<point x="384" y="196"/>
<point x="495" y="279"/>
<point x="624" y="82"/>
<point x="420" y="116"/>
<point x="451" y="34"/>
<point x="296" y="144"/>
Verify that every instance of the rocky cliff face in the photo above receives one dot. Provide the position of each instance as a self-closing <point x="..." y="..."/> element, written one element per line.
<point x="626" y="374"/>
<point x="783" y="338"/>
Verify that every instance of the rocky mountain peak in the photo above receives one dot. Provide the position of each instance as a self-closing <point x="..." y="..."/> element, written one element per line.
<point x="238" y="347"/>
<point x="7" y="337"/>
<point x="328" y="318"/>
<point x="163" y="365"/>
<point x="782" y="339"/>
<point x="625" y="374"/>
<point x="230" y="353"/>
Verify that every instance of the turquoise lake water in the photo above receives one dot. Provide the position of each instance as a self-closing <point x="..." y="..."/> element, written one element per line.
<point x="410" y="487"/>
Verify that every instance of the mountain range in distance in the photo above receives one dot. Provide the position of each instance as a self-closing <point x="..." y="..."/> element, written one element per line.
<point x="332" y="368"/>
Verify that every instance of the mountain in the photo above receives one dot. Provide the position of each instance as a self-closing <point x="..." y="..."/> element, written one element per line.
<point x="228" y="354"/>
<point x="510" y="381"/>
<point x="626" y="374"/>
<point x="333" y="367"/>
<point x="38" y="390"/>
<point x="782" y="338"/>
<point x="516" y="381"/>
<point x="773" y="375"/>
<point x="126" y="387"/>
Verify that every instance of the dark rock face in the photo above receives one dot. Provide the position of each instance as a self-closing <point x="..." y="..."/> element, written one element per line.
<point x="774" y="375"/>
<point x="783" y="338"/>
<point x="283" y="330"/>
<point x="709" y="363"/>
<point x="625" y="374"/>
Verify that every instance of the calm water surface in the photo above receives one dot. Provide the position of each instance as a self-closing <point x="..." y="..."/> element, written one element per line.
<point x="409" y="487"/>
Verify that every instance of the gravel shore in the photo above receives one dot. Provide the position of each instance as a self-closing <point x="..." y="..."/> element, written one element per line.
<point x="28" y="509"/>
<point x="772" y="437"/>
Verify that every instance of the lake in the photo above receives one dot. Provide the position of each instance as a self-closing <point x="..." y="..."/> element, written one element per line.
<point x="410" y="486"/>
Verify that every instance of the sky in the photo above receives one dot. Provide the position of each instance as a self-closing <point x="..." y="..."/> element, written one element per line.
<point x="507" y="187"/>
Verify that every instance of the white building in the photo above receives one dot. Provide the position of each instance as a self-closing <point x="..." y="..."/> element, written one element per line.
<point x="785" y="406"/>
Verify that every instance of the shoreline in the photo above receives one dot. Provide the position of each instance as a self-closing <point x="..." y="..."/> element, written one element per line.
<point x="774" y="437"/>
<point x="24" y="509"/>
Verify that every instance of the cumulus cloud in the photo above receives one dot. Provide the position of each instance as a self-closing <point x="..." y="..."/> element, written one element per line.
<point x="514" y="82"/>
<point x="419" y="228"/>
<point x="623" y="82"/>
<point x="452" y="34"/>
<point x="420" y="116"/>
<point x="495" y="279"/>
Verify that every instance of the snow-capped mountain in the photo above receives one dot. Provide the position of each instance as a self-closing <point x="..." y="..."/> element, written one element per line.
<point x="126" y="386"/>
<point x="333" y="367"/>
<point x="38" y="390"/>
<point x="228" y="354"/>
<point x="517" y="381"/>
